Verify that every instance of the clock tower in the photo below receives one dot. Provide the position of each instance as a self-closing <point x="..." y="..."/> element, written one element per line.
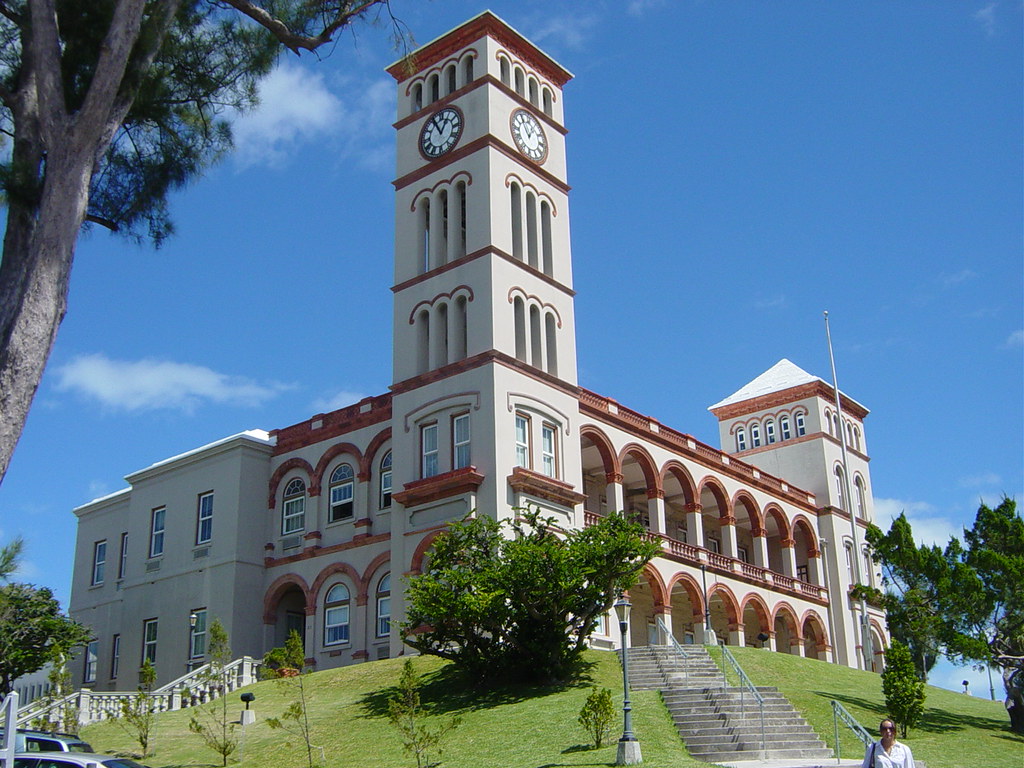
<point x="485" y="398"/>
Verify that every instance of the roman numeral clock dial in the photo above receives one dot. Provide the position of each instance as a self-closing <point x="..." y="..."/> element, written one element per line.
<point x="529" y="135"/>
<point x="441" y="132"/>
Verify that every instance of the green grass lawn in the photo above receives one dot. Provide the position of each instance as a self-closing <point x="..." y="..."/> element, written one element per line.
<point x="528" y="727"/>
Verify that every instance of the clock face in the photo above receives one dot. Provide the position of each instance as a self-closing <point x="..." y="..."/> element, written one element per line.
<point x="441" y="132"/>
<point x="529" y="135"/>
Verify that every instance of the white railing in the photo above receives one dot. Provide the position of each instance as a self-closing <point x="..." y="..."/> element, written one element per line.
<point x="195" y="687"/>
<point x="9" y="740"/>
<point x="745" y="687"/>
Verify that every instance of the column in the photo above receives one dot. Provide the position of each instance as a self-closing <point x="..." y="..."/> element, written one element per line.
<point x="814" y="567"/>
<point x="694" y="525"/>
<point x="729" y="536"/>
<point x="656" y="509"/>
<point x="788" y="558"/>
<point x="760" y="553"/>
<point x="664" y="612"/>
<point x="613" y="492"/>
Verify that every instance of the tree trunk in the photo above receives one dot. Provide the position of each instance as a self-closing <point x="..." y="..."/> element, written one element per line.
<point x="1013" y="679"/>
<point x="39" y="248"/>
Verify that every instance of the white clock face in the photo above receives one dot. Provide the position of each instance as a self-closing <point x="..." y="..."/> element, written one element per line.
<point x="441" y="132"/>
<point x="529" y="135"/>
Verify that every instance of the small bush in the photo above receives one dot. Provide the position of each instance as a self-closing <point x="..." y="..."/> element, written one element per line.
<point x="597" y="715"/>
<point x="904" y="693"/>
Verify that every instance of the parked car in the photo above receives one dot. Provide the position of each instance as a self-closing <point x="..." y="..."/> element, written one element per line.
<point x="72" y="760"/>
<point x="43" y="741"/>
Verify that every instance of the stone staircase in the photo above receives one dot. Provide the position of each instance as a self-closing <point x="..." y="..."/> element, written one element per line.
<point x="719" y="723"/>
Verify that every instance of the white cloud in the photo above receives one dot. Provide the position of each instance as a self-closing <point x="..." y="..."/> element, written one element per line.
<point x="987" y="18"/>
<point x="1015" y="339"/>
<point x="928" y="525"/>
<point x="641" y="7"/>
<point x="297" y="107"/>
<point x="958" y="277"/>
<point x="984" y="479"/>
<point x="145" y="385"/>
<point x="570" y="30"/>
<point x="340" y="399"/>
<point x="774" y="302"/>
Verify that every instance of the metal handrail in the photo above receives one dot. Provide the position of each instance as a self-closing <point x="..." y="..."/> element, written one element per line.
<point x="674" y="644"/>
<point x="839" y="713"/>
<point x="745" y="686"/>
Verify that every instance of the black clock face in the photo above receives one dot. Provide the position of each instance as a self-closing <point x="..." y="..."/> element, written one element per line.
<point x="441" y="132"/>
<point x="529" y="135"/>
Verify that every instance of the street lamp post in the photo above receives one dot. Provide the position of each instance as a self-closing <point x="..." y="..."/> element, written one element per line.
<point x="709" y="632"/>
<point x="192" y="619"/>
<point x="629" y="747"/>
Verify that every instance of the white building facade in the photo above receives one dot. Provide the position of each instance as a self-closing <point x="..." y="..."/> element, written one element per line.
<point x="317" y="526"/>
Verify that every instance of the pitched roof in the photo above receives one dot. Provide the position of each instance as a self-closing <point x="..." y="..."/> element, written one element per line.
<point x="782" y="375"/>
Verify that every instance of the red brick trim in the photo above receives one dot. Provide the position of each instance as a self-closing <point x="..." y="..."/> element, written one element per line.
<point x="333" y="424"/>
<point x="287" y="466"/>
<point x="524" y="480"/>
<point x="816" y="388"/>
<point x="484" y="25"/>
<point x="454" y="483"/>
<point x="313" y="552"/>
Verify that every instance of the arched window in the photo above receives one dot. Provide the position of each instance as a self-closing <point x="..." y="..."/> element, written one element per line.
<point x="516" y="199"/>
<point x="531" y="230"/>
<point x="424" y="226"/>
<point x="458" y="237"/>
<point x="336" y="618"/>
<point x="858" y="484"/>
<point x="467" y="70"/>
<point x="549" y="334"/>
<point x="293" y="513"/>
<point x="423" y="341"/>
<point x="342" y="494"/>
<point x="828" y="420"/>
<point x="460" y="335"/>
<point x="840" y="494"/>
<point x="536" y="354"/>
<point x="450" y="77"/>
<point x="434" y="84"/>
<point x="519" y="311"/>
<point x="417" y="97"/>
<point x="534" y="97"/>
<point x="784" y="427"/>
<point x="801" y="427"/>
<point x="856" y="437"/>
<point x="547" y="100"/>
<point x="848" y="547"/>
<point x="384" y="606"/>
<point x="547" y="256"/>
<point x="519" y="78"/>
<point x="755" y="435"/>
<point x="385" y="481"/>
<point x="769" y="431"/>
<point x="741" y="439"/>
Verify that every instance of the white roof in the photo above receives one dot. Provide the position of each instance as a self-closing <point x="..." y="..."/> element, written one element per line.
<point x="782" y="375"/>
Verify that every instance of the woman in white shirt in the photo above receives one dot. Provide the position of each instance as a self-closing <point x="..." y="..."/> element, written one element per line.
<point x="887" y="752"/>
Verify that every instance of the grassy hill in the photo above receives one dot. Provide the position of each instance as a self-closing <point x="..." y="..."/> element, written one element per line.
<point x="527" y="727"/>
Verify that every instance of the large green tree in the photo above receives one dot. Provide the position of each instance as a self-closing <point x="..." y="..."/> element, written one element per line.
<point x="518" y="600"/>
<point x="107" y="106"/>
<point x="973" y="591"/>
<point x="33" y="631"/>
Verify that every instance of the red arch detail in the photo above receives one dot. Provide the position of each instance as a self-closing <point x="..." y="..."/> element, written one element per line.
<point x="604" y="447"/>
<point x="276" y="591"/>
<point x="287" y="466"/>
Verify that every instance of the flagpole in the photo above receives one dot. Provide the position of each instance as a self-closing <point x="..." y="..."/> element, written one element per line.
<point x="865" y="631"/>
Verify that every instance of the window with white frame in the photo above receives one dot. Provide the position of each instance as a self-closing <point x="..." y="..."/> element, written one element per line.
<point x="293" y="511"/>
<point x="868" y="575"/>
<point x="522" y="440"/>
<point x="548" y="452"/>
<point x="204" y="518"/>
<point x="769" y="431"/>
<point x="115" y="656"/>
<point x="122" y="564"/>
<point x="91" y="658"/>
<point x="385" y="481"/>
<point x="342" y="494"/>
<point x="149" y="635"/>
<point x="428" y="450"/>
<point x="861" y="496"/>
<point x="785" y="427"/>
<point x="460" y="441"/>
<point x="828" y="421"/>
<point x="741" y="439"/>
<point x="384" y="606"/>
<point x="197" y="637"/>
<point x="336" y="610"/>
<point x="848" y="547"/>
<point x="714" y="545"/>
<point x="755" y="435"/>
<point x="840" y="488"/>
<point x="801" y="427"/>
<point x="156" y="531"/>
<point x="99" y="562"/>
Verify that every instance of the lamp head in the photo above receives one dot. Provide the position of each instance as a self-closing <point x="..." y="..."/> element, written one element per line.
<point x="622" y="608"/>
<point x="192" y="619"/>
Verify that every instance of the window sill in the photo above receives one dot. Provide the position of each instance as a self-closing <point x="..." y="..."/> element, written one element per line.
<point x="535" y="484"/>
<point x="455" y="483"/>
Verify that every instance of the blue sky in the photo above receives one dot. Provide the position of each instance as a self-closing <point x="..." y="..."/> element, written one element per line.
<point x="737" y="168"/>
